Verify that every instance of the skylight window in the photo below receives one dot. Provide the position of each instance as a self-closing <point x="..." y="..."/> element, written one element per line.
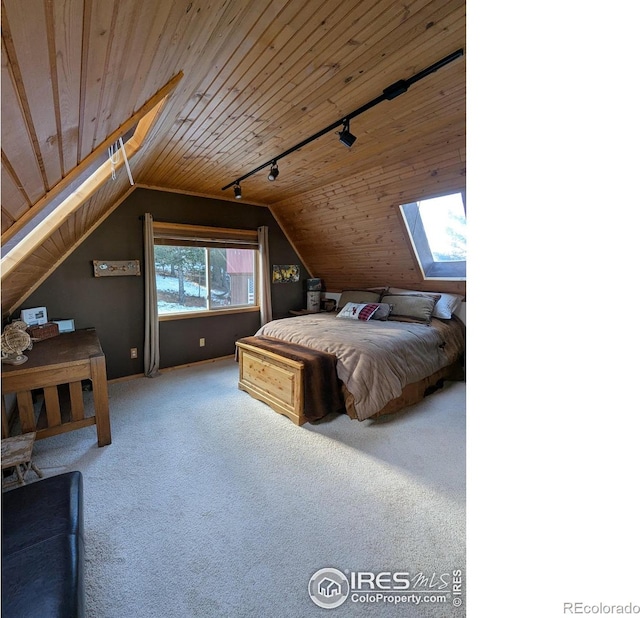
<point x="55" y="207"/>
<point x="438" y="231"/>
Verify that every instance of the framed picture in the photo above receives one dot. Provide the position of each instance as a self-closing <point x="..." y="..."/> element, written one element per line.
<point x="34" y="317"/>
<point x="285" y="274"/>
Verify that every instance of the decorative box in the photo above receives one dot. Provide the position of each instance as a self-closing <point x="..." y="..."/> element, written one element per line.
<point x="45" y="331"/>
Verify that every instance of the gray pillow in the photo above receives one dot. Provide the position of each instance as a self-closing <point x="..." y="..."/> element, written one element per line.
<point x="411" y="308"/>
<point x="358" y="297"/>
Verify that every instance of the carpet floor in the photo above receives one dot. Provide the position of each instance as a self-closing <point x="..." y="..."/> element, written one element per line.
<point x="208" y="503"/>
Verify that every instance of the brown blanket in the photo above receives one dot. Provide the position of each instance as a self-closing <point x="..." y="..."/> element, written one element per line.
<point x="322" y="393"/>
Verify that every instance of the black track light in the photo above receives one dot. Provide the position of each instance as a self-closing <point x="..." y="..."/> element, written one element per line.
<point x="237" y="191"/>
<point x="273" y="174"/>
<point x="346" y="137"/>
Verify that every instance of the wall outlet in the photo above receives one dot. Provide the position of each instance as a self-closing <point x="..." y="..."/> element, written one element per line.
<point x="202" y="342"/>
<point x="134" y="352"/>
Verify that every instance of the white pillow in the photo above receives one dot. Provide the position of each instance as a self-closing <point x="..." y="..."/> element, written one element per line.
<point x="358" y="311"/>
<point x="447" y="304"/>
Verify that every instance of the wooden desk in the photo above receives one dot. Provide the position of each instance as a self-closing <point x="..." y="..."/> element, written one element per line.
<point x="68" y="358"/>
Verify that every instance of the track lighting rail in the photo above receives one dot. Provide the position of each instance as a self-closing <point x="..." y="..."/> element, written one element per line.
<point x="389" y="93"/>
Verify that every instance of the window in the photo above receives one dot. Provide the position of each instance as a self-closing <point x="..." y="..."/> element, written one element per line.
<point x="438" y="231"/>
<point x="201" y="269"/>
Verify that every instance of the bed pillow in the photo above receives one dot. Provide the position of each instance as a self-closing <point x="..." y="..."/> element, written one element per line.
<point x="381" y="289"/>
<point x="358" y="311"/>
<point x="445" y="307"/>
<point x="447" y="304"/>
<point x="412" y="308"/>
<point x="384" y="309"/>
<point x="358" y="296"/>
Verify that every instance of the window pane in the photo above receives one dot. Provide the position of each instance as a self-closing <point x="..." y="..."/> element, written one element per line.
<point x="232" y="277"/>
<point x="445" y="224"/>
<point x="180" y="279"/>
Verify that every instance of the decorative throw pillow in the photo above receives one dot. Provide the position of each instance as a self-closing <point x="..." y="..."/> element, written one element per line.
<point x="358" y="296"/>
<point x="384" y="309"/>
<point x="413" y="308"/>
<point x="358" y="311"/>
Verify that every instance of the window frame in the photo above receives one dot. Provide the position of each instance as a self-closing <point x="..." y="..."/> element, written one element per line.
<point x="185" y="235"/>
<point x="418" y="239"/>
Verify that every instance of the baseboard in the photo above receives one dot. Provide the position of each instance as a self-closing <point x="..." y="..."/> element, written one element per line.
<point x="207" y="361"/>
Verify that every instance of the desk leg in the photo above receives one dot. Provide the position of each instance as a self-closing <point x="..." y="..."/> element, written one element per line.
<point x="5" y="419"/>
<point x="101" y="399"/>
<point x="27" y="414"/>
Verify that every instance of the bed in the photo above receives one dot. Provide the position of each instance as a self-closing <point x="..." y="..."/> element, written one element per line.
<point x="380" y="366"/>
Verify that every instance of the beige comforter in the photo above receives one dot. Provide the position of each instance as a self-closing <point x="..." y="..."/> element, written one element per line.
<point x="376" y="359"/>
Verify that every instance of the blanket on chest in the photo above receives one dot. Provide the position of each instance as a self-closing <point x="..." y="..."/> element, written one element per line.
<point x="322" y="393"/>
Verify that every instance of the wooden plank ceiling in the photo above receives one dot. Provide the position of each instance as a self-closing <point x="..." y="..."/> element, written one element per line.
<point x="258" y="78"/>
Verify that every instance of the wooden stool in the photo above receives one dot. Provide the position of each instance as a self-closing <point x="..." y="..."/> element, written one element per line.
<point x="16" y="453"/>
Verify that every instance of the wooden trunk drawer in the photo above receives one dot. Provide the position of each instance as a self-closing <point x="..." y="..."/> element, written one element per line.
<point x="275" y="380"/>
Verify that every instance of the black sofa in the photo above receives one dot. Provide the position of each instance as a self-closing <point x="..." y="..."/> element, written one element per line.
<point x="43" y="549"/>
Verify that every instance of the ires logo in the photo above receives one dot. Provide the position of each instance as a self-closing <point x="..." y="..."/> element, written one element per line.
<point x="386" y="580"/>
<point x="329" y="588"/>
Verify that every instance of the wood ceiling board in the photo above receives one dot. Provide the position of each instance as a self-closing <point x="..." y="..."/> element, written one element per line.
<point x="67" y="19"/>
<point x="15" y="199"/>
<point x="270" y="100"/>
<point x="17" y="145"/>
<point x="126" y="29"/>
<point x="99" y="21"/>
<point x="25" y="33"/>
<point x="201" y="104"/>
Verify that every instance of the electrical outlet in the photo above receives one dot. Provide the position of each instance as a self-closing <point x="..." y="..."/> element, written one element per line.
<point x="134" y="352"/>
<point x="202" y="342"/>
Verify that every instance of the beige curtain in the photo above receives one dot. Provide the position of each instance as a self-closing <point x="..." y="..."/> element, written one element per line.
<point x="151" y="328"/>
<point x="265" y="275"/>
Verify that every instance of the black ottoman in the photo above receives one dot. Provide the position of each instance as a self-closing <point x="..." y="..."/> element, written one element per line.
<point x="43" y="549"/>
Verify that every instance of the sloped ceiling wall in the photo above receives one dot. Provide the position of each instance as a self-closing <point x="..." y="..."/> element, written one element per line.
<point x="258" y="78"/>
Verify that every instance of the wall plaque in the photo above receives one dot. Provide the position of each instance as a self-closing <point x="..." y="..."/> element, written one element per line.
<point x="110" y="268"/>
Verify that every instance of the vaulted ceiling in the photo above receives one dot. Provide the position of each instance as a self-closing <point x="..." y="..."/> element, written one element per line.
<point x="245" y="81"/>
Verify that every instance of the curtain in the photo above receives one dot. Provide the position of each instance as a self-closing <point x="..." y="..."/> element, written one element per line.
<point x="265" y="275"/>
<point x="151" y="327"/>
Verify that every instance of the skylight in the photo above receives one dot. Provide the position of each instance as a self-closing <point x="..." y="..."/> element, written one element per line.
<point x="437" y="228"/>
<point x="446" y="224"/>
<point x="78" y="186"/>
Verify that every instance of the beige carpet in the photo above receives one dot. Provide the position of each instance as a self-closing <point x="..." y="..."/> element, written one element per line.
<point x="208" y="503"/>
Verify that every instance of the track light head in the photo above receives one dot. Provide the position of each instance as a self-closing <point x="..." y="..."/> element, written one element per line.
<point x="345" y="136"/>
<point x="237" y="191"/>
<point x="273" y="174"/>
